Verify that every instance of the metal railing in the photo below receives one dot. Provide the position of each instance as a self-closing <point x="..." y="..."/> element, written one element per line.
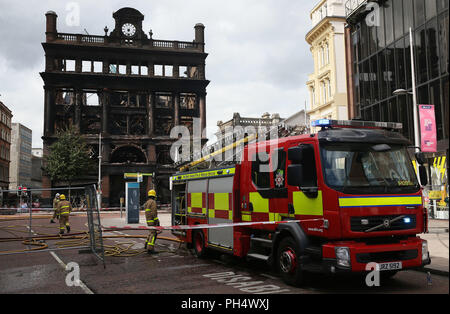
<point x="352" y="5"/>
<point x="146" y="43"/>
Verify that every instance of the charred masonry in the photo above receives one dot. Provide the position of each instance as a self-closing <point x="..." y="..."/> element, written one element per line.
<point x="129" y="87"/>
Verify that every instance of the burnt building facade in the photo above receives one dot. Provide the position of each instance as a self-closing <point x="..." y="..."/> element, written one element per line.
<point x="128" y="87"/>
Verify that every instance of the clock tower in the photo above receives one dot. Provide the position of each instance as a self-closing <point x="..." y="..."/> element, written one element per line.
<point x="128" y="25"/>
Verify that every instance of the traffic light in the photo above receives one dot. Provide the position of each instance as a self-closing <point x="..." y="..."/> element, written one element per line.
<point x="19" y="190"/>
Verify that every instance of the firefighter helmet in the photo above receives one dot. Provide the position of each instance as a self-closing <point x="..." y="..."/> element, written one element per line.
<point x="152" y="193"/>
<point x="62" y="197"/>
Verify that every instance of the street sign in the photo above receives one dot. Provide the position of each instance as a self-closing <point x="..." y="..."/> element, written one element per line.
<point x="131" y="175"/>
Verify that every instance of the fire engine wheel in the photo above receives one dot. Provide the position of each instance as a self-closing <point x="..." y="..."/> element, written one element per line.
<point x="198" y="241"/>
<point x="288" y="262"/>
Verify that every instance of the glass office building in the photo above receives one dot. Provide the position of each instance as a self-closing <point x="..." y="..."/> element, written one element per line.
<point x="380" y="62"/>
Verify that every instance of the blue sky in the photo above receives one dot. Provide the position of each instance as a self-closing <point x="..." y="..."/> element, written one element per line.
<point x="258" y="58"/>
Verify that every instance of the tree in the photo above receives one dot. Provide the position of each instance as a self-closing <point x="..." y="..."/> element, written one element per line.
<point x="68" y="159"/>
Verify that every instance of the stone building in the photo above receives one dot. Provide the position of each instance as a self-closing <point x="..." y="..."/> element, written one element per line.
<point x="20" y="166"/>
<point x="5" y="145"/>
<point x="131" y="88"/>
<point x="327" y="84"/>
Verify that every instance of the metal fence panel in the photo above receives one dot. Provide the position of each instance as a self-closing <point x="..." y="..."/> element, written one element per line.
<point x="95" y="228"/>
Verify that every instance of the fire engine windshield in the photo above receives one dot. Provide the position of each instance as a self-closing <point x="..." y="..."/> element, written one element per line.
<point x="368" y="168"/>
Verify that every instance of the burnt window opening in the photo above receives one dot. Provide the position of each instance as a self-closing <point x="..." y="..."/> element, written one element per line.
<point x="144" y="70"/>
<point x="65" y="97"/>
<point x="163" y="70"/>
<point x="187" y="101"/>
<point x="126" y="99"/>
<point x="188" y="71"/>
<point x="164" y="100"/>
<point x="163" y="155"/>
<point x="86" y="66"/>
<point x="123" y="124"/>
<point x="97" y="66"/>
<point x="90" y="98"/>
<point x="119" y="125"/>
<point x="128" y="154"/>
<point x="91" y="121"/>
<point x="68" y="65"/>
<point x="163" y="125"/>
<point x="188" y="123"/>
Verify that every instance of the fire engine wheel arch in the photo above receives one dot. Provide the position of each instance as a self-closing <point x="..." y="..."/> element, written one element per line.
<point x="198" y="243"/>
<point x="294" y="231"/>
<point x="288" y="261"/>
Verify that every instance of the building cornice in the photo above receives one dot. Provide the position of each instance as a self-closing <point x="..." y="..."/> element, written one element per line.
<point x="320" y="27"/>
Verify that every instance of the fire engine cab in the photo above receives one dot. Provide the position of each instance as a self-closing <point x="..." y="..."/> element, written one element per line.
<point x="332" y="202"/>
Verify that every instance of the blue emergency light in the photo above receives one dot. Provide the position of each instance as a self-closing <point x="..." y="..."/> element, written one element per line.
<point x="324" y="123"/>
<point x="321" y="123"/>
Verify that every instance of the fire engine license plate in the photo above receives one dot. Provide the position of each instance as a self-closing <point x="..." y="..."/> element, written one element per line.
<point x="390" y="266"/>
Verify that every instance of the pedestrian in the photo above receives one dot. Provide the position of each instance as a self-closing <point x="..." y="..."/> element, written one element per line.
<point x="151" y="216"/>
<point x="64" y="208"/>
<point x="55" y="204"/>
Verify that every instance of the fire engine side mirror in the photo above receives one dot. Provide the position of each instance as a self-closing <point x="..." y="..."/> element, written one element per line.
<point x="420" y="158"/>
<point x="295" y="154"/>
<point x="423" y="175"/>
<point x="295" y="175"/>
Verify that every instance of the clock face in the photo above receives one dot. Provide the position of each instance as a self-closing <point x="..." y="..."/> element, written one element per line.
<point x="128" y="29"/>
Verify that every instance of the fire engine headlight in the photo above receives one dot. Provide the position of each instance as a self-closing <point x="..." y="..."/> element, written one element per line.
<point x="425" y="250"/>
<point x="342" y="256"/>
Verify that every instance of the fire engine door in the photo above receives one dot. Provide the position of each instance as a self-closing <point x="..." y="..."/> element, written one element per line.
<point x="220" y="210"/>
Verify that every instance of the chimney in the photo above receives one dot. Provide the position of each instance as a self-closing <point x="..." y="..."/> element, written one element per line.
<point x="50" y="33"/>
<point x="200" y="34"/>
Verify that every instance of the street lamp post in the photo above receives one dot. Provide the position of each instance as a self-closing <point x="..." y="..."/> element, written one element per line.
<point x="414" y="94"/>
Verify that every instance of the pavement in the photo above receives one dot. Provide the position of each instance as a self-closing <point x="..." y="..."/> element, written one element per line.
<point x="437" y="237"/>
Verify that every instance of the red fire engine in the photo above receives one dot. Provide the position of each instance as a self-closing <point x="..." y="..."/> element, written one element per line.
<point x="350" y="191"/>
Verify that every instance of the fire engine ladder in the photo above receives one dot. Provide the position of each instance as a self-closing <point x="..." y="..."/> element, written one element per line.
<point x="235" y="142"/>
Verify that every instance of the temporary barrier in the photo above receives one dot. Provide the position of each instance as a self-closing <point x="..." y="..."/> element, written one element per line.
<point x="95" y="230"/>
<point x="208" y="226"/>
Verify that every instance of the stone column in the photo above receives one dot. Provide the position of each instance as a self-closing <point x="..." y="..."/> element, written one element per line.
<point x="78" y="96"/>
<point x="176" y="106"/>
<point x="151" y="117"/>
<point x="105" y="111"/>
<point x="49" y="111"/>
<point x="202" y="108"/>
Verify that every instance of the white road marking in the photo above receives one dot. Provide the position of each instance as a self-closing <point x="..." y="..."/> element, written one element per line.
<point x="81" y="283"/>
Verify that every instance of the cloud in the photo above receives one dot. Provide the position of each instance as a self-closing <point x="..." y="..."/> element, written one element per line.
<point x="258" y="59"/>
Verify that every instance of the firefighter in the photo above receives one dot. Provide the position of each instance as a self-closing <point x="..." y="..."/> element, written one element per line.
<point x="63" y="210"/>
<point x="151" y="216"/>
<point x="55" y="204"/>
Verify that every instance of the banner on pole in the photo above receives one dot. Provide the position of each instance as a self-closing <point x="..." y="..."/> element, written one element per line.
<point x="428" y="142"/>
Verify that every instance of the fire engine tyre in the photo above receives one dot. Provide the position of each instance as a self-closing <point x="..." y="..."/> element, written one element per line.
<point x="198" y="242"/>
<point x="288" y="262"/>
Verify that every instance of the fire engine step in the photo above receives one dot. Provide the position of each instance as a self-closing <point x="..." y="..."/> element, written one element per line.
<point x="258" y="256"/>
<point x="262" y="242"/>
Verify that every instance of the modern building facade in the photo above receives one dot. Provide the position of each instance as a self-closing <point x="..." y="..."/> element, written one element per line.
<point x="36" y="171"/>
<point x="130" y="88"/>
<point x="5" y="145"/>
<point x="20" y="167"/>
<point x="379" y="62"/>
<point x="327" y="84"/>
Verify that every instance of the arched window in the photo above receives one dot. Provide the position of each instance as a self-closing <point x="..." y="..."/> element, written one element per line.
<point x="128" y="154"/>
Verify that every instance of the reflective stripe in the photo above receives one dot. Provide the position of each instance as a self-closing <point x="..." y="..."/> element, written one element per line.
<point x="379" y="201"/>
<point x="304" y="205"/>
<point x="204" y="174"/>
<point x="260" y="204"/>
<point x="152" y="220"/>
<point x="65" y="213"/>
<point x="196" y="201"/>
<point x="65" y="206"/>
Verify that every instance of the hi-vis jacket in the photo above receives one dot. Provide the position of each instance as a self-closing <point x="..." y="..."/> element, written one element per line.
<point x="151" y="213"/>
<point x="63" y="208"/>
